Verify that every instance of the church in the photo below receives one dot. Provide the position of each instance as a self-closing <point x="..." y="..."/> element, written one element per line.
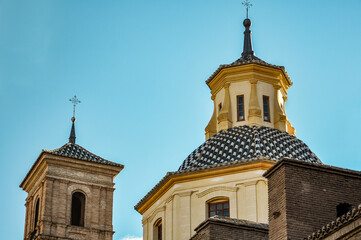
<point x="252" y="178"/>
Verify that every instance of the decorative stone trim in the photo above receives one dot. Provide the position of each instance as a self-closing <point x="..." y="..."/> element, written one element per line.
<point x="214" y="189"/>
<point x="155" y="213"/>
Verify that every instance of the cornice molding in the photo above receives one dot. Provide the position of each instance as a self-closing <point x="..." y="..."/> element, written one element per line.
<point x="169" y="182"/>
<point x="247" y="72"/>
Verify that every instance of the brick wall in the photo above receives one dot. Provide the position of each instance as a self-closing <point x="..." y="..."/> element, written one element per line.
<point x="306" y="195"/>
<point x="277" y="204"/>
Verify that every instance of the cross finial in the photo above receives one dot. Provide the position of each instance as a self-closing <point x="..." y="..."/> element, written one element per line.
<point x="247" y="4"/>
<point x="75" y="101"/>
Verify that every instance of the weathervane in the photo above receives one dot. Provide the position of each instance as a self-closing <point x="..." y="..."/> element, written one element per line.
<point x="247" y="4"/>
<point x="75" y="101"/>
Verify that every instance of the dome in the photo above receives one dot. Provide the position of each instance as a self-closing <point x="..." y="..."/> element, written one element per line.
<point x="245" y="143"/>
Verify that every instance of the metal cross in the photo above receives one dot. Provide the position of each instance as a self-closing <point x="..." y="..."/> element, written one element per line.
<point x="247" y="4"/>
<point x="75" y="101"/>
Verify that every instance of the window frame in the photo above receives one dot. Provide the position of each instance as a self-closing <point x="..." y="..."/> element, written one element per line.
<point x="268" y="108"/>
<point x="218" y="201"/>
<point x="158" y="229"/>
<point x="244" y="112"/>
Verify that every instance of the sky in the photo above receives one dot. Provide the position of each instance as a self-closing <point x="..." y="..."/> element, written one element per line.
<point x="139" y="67"/>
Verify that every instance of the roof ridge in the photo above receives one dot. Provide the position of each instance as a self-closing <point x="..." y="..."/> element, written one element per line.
<point x="56" y="149"/>
<point x="327" y="229"/>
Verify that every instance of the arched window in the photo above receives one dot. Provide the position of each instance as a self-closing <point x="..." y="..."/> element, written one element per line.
<point x="219" y="207"/>
<point x="157" y="230"/>
<point x="77" y="209"/>
<point x="343" y="208"/>
<point x="36" y="214"/>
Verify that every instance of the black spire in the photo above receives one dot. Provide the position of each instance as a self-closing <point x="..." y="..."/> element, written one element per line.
<point x="247" y="45"/>
<point x="72" y="132"/>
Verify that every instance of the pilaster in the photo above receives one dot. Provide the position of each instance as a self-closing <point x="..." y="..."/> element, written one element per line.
<point x="254" y="110"/>
<point x="279" y="115"/>
<point x="225" y="115"/>
<point x="262" y="201"/>
<point x="211" y="128"/>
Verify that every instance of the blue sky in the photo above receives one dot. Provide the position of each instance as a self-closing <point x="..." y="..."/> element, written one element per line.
<point x="139" y="69"/>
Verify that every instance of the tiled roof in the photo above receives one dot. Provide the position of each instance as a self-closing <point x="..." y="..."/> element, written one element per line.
<point x="240" y="222"/>
<point x="243" y="143"/>
<point x="249" y="59"/>
<point x="340" y="222"/>
<point x="233" y="222"/>
<point x="75" y="151"/>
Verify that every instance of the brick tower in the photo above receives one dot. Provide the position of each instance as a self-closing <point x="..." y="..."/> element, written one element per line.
<point x="70" y="194"/>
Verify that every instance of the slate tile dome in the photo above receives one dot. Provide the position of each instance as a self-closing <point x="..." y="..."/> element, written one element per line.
<point x="245" y="143"/>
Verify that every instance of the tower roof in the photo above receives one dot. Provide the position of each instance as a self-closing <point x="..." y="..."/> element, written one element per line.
<point x="248" y="55"/>
<point x="245" y="143"/>
<point x="77" y="152"/>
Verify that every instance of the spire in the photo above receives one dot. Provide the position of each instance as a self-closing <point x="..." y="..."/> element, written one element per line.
<point x="72" y="137"/>
<point x="72" y="132"/>
<point x="247" y="44"/>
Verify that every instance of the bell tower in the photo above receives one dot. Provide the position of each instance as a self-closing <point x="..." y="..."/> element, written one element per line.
<point x="249" y="91"/>
<point x="70" y="194"/>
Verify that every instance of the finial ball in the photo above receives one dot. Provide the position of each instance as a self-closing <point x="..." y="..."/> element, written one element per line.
<point x="73" y="119"/>
<point x="247" y="22"/>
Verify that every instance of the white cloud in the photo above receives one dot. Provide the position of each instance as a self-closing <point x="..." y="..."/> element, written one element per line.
<point x="131" y="238"/>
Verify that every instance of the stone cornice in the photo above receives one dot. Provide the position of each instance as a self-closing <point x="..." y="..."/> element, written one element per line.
<point x="44" y="160"/>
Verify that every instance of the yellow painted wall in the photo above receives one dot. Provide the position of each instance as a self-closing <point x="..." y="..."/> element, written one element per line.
<point x="184" y="206"/>
<point x="239" y="81"/>
<point x="235" y="89"/>
<point x="244" y="88"/>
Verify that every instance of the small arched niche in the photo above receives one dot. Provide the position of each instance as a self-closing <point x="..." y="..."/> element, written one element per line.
<point x="36" y="213"/>
<point x="157" y="229"/>
<point x="218" y="206"/>
<point x="78" y="209"/>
